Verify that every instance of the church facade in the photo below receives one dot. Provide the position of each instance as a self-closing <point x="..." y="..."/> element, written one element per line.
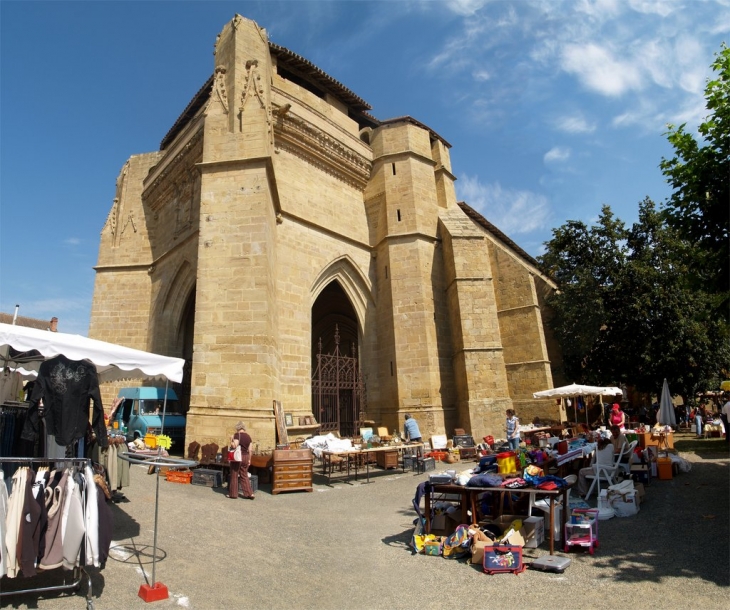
<point x="293" y="248"/>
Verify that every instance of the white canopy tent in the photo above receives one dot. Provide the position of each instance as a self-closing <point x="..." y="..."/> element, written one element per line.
<point x="574" y="390"/>
<point x="27" y="348"/>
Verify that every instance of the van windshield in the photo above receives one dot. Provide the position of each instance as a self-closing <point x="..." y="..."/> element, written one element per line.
<point x="153" y="406"/>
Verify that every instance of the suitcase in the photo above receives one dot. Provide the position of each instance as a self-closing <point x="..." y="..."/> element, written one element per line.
<point x="503" y="558"/>
<point x="551" y="563"/>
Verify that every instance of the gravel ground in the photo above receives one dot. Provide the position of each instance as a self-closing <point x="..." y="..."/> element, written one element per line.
<point x="346" y="547"/>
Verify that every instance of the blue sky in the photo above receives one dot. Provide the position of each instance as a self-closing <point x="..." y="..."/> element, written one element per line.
<point x="552" y="108"/>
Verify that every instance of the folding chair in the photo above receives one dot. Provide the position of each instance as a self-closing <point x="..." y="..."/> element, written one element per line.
<point x="607" y="473"/>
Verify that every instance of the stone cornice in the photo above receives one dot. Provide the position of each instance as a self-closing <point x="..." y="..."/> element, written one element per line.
<point x="153" y="191"/>
<point x="306" y="141"/>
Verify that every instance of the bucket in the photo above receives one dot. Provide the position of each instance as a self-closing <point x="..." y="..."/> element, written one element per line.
<point x="562" y="447"/>
<point x="506" y="462"/>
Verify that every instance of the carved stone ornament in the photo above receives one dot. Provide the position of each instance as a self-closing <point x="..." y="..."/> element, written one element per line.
<point x="219" y="85"/>
<point x="236" y="21"/>
<point x="130" y="221"/>
<point x="253" y="88"/>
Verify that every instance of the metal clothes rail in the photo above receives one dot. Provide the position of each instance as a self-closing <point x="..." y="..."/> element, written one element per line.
<point x="79" y="573"/>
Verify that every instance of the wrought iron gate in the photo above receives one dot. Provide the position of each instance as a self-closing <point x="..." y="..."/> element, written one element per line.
<point x="338" y="393"/>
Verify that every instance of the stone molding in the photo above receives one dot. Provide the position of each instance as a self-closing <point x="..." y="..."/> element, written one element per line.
<point x="191" y="153"/>
<point x="310" y="143"/>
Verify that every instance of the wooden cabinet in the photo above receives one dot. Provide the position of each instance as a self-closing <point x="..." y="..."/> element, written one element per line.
<point x="387" y="459"/>
<point x="292" y="470"/>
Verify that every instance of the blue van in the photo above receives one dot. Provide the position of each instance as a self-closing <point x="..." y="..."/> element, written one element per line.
<point x="141" y="413"/>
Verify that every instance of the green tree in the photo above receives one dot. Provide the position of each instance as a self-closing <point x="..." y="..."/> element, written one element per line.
<point x="699" y="173"/>
<point x="584" y="262"/>
<point x="626" y="311"/>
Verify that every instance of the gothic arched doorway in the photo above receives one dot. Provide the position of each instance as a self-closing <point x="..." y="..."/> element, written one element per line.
<point x="338" y="394"/>
<point x="187" y="329"/>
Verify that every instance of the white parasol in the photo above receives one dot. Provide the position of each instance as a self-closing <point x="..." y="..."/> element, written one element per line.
<point x="666" y="415"/>
<point x="574" y="389"/>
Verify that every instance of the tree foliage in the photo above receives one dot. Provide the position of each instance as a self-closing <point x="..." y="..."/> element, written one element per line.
<point x="699" y="173"/>
<point x="625" y="311"/>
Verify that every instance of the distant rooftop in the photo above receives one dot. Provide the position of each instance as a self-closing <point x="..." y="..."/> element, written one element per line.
<point x="7" y="318"/>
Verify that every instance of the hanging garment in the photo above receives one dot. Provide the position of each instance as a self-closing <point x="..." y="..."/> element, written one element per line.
<point x="54" y="499"/>
<point x="106" y="526"/>
<point x="72" y="524"/>
<point x="92" y="519"/>
<point x="67" y="387"/>
<point x="3" y="515"/>
<point x="29" y="531"/>
<point x="15" y="514"/>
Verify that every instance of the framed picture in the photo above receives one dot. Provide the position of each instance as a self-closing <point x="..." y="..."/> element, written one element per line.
<point x="288" y="419"/>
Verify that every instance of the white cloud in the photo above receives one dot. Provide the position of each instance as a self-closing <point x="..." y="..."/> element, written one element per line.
<point x="481" y="75"/>
<point x="513" y="211"/>
<point x="465" y="7"/>
<point x="72" y="241"/>
<point x="657" y="7"/>
<point x="598" y="69"/>
<point x="557" y="154"/>
<point x="575" y="124"/>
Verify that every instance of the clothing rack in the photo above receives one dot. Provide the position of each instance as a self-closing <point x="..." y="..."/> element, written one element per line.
<point x="79" y="572"/>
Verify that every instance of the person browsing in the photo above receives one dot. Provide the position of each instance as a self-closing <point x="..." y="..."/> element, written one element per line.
<point x="512" y="427"/>
<point x="411" y="433"/>
<point x="239" y="470"/>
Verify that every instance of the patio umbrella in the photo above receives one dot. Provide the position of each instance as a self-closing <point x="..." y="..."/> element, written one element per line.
<point x="574" y="390"/>
<point x="666" y="408"/>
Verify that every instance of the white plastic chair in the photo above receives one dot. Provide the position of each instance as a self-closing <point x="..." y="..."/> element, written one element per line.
<point x="607" y="473"/>
<point x="625" y="467"/>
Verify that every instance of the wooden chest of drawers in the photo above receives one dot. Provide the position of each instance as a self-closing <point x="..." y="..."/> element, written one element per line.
<point x="292" y="470"/>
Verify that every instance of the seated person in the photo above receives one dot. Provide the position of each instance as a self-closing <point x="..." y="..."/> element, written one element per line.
<point x="618" y="439"/>
<point x="603" y="456"/>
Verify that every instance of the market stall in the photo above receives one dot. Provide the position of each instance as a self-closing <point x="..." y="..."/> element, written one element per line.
<point x="88" y="362"/>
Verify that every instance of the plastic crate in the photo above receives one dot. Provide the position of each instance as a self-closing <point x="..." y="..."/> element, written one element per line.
<point x="207" y="477"/>
<point x="177" y="476"/>
<point x="254" y="480"/>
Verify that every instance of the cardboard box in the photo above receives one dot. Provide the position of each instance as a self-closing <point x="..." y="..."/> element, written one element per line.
<point x="438" y="522"/>
<point x="533" y="531"/>
<point x="479" y="542"/>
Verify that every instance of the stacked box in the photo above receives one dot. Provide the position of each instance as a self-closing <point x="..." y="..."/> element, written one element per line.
<point x="533" y="531"/>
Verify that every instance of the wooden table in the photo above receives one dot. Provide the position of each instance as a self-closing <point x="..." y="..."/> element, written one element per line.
<point x="353" y="457"/>
<point x="469" y="497"/>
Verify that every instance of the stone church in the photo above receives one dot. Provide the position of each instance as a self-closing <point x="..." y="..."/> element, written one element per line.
<point x="293" y="248"/>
